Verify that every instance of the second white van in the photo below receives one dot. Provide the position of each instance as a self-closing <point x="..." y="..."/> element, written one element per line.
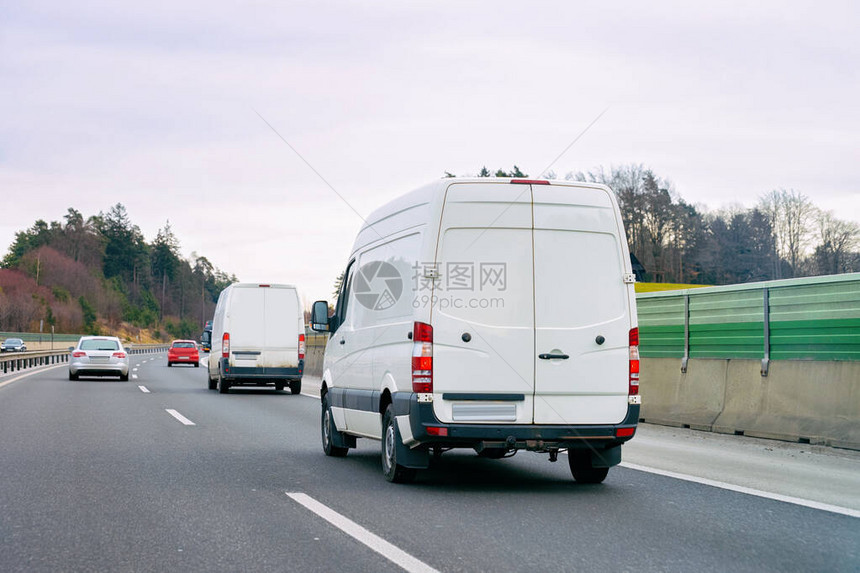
<point x="258" y="338"/>
<point x="487" y="313"/>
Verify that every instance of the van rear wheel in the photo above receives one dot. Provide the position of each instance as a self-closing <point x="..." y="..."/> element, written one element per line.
<point x="279" y="386"/>
<point x="393" y="471"/>
<point x="223" y="385"/>
<point x="327" y="430"/>
<point x="212" y="381"/>
<point x="582" y="470"/>
<point x="296" y="386"/>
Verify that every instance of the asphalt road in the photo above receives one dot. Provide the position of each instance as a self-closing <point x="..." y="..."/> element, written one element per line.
<point x="98" y="475"/>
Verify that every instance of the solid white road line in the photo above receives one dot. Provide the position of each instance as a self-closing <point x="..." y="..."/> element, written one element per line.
<point x="36" y="371"/>
<point x="180" y="417"/>
<point x="354" y="530"/>
<point x="144" y="389"/>
<point x="747" y="490"/>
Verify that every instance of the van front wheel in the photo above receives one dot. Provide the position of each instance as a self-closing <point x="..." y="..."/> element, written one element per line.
<point x="327" y="429"/>
<point x="393" y="471"/>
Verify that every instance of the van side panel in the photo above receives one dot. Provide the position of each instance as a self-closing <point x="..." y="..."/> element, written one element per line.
<point x="381" y="318"/>
<point x="579" y="296"/>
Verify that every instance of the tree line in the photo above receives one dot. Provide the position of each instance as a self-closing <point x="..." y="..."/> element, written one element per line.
<point x="783" y="236"/>
<point x="98" y="274"/>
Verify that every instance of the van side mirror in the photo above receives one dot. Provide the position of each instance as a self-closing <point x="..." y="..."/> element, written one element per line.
<point x="319" y="316"/>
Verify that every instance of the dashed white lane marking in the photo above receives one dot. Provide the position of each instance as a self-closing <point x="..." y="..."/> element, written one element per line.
<point x="359" y="533"/>
<point x="747" y="490"/>
<point x="134" y="376"/>
<point x="144" y="389"/>
<point x="180" y="417"/>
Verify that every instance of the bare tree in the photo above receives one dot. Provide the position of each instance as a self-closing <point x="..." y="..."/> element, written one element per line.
<point x="837" y="239"/>
<point x="790" y="213"/>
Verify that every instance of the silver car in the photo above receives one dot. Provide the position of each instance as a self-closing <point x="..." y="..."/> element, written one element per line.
<point x="99" y="356"/>
<point x="13" y="345"/>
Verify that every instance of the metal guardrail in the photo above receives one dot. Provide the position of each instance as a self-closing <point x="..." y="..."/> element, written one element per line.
<point x="14" y="361"/>
<point x="812" y="318"/>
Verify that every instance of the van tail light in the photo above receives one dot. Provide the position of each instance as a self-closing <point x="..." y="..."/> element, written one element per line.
<point x="78" y="354"/>
<point x="624" y="432"/>
<point x="634" y="362"/>
<point x="422" y="358"/>
<point x="301" y="347"/>
<point x="119" y="354"/>
<point x="225" y="345"/>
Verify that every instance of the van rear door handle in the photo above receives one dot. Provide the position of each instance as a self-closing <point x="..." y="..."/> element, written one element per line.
<point x="553" y="356"/>
<point x="343" y="341"/>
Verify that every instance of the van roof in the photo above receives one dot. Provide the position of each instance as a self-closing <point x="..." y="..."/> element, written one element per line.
<point x="262" y="284"/>
<point x="435" y="192"/>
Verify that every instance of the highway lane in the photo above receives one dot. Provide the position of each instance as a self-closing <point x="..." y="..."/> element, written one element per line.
<point x="97" y="475"/>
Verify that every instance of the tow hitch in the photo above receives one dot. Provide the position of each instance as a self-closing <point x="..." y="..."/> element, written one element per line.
<point x="553" y="455"/>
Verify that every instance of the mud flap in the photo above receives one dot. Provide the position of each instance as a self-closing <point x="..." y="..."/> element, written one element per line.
<point x="341" y="440"/>
<point x="606" y="458"/>
<point x="417" y="458"/>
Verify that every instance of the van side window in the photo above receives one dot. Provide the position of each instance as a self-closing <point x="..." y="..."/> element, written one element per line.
<point x="343" y="297"/>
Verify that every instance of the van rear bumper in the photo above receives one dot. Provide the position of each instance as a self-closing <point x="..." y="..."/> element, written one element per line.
<point x="259" y="375"/>
<point x="423" y="421"/>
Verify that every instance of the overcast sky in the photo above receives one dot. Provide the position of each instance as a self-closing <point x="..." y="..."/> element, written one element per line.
<point x="155" y="104"/>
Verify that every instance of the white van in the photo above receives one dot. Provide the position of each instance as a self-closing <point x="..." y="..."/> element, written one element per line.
<point x="258" y="338"/>
<point x="485" y="313"/>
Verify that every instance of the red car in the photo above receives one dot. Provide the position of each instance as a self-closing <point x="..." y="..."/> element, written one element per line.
<point x="183" y="351"/>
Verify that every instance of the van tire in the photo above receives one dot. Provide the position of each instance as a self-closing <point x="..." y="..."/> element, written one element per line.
<point x="582" y="470"/>
<point x="327" y="430"/>
<point x="393" y="471"/>
<point x="212" y="381"/>
<point x="223" y="385"/>
<point x="296" y="386"/>
<point x="279" y="386"/>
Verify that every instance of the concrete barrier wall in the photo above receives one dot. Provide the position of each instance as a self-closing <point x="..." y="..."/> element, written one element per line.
<point x="801" y="401"/>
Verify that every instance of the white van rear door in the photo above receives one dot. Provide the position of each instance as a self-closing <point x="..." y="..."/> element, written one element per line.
<point x="247" y="305"/>
<point x="482" y="305"/>
<point x="281" y="335"/>
<point x="580" y="298"/>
